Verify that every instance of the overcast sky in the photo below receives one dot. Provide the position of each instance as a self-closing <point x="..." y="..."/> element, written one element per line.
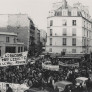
<point x="36" y="9"/>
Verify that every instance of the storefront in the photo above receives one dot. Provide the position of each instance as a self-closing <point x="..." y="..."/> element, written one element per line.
<point x="9" y="43"/>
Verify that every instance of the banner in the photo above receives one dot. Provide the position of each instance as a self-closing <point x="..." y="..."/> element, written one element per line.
<point x="13" y="59"/>
<point x="50" y="67"/>
<point x="15" y="87"/>
<point x="69" y="65"/>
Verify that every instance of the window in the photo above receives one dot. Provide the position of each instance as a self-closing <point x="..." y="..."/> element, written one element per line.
<point x="69" y="13"/>
<point x="50" y="49"/>
<point x="84" y="23"/>
<point x="87" y="34"/>
<point x="74" y="12"/>
<point x="21" y="49"/>
<point x="73" y="50"/>
<point x="10" y="49"/>
<point x="64" y="31"/>
<point x="65" y="12"/>
<point x="58" y="13"/>
<point x="14" y="40"/>
<point x="51" y="22"/>
<point x="18" y="49"/>
<point x="87" y="25"/>
<point x="74" y="41"/>
<point x="0" y="52"/>
<point x="64" y="41"/>
<point x="7" y="39"/>
<point x="84" y="42"/>
<point x="50" y="41"/>
<point x="64" y="50"/>
<point x="84" y="32"/>
<point x="74" y="22"/>
<point x="64" y="22"/>
<point x="50" y="32"/>
<point x="74" y="32"/>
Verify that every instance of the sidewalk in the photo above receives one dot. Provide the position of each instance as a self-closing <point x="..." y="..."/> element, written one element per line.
<point x="37" y="90"/>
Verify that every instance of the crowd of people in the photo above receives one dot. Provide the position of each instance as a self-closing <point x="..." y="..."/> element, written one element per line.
<point x="35" y="76"/>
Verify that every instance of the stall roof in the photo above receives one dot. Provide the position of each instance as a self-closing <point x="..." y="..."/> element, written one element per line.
<point x="70" y="57"/>
<point x="77" y="56"/>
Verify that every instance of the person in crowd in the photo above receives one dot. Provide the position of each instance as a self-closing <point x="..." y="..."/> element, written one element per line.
<point x="56" y="89"/>
<point x="80" y="88"/>
<point x="43" y="84"/>
<point x="68" y="89"/>
<point x="8" y="88"/>
<point x="88" y="84"/>
<point x="35" y="73"/>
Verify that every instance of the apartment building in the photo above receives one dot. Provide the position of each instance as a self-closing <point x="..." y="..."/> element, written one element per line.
<point x="69" y="29"/>
<point x="21" y="24"/>
<point x="9" y="43"/>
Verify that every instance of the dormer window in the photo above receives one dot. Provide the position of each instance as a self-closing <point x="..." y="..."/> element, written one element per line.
<point x="51" y="22"/>
<point x="64" y="12"/>
<point x="74" y="12"/>
<point x="7" y="39"/>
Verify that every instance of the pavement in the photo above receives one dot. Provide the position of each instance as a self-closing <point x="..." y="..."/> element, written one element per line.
<point x="48" y="89"/>
<point x="38" y="90"/>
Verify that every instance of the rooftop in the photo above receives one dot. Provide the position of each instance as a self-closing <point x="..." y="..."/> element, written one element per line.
<point x="82" y="78"/>
<point x="64" y="82"/>
<point x="8" y="33"/>
<point x="76" y="10"/>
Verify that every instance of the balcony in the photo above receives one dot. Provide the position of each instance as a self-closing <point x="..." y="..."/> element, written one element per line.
<point x="64" y="34"/>
<point x="50" y="44"/>
<point x="64" y="44"/>
<point x="50" y="34"/>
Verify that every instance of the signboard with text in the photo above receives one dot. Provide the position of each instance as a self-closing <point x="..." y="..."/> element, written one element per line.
<point x="15" y="87"/>
<point x="13" y="59"/>
<point x="69" y="65"/>
<point x="50" y="67"/>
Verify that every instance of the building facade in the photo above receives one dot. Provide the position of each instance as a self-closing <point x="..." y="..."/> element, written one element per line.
<point x="37" y="40"/>
<point x="37" y="36"/>
<point x="69" y="29"/>
<point x="43" y="37"/>
<point x="9" y="43"/>
<point x="20" y="24"/>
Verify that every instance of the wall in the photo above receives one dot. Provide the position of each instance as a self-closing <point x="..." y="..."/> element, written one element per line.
<point x="57" y="34"/>
<point x="43" y="37"/>
<point x="18" y="23"/>
<point x="4" y="44"/>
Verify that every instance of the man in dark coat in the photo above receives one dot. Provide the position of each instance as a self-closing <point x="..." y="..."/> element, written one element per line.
<point x="8" y="88"/>
<point x="80" y="88"/>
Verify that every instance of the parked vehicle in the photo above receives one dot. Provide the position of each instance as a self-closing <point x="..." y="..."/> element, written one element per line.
<point x="64" y="86"/>
<point x="81" y="80"/>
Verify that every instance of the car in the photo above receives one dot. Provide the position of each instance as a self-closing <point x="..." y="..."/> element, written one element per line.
<point x="63" y="85"/>
<point x="81" y="80"/>
<point x="34" y="90"/>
